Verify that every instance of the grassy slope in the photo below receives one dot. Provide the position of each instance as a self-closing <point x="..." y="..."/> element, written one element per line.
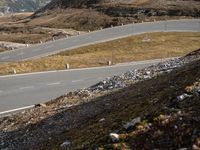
<point x="122" y="50"/>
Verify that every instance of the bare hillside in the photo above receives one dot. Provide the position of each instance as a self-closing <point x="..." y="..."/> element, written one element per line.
<point x="93" y="14"/>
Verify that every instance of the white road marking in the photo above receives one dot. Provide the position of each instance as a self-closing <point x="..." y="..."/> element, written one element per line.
<point x="17" y="109"/>
<point x="55" y="83"/>
<point x="74" y="81"/>
<point x="26" y="87"/>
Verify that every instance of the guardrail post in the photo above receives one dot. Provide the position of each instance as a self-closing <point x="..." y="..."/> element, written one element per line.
<point x="109" y="63"/>
<point x="14" y="71"/>
<point x="67" y="66"/>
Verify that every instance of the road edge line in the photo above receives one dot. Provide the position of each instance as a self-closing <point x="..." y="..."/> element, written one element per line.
<point x="16" y="109"/>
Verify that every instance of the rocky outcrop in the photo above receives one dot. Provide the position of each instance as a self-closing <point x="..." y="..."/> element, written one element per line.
<point x="7" y="6"/>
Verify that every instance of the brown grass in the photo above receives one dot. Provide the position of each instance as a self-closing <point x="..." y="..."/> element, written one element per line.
<point x="25" y="38"/>
<point x="140" y="2"/>
<point x="129" y="49"/>
<point x="14" y="17"/>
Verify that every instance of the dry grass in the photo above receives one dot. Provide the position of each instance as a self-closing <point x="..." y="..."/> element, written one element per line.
<point x="122" y="50"/>
<point x="14" y="17"/>
<point x="2" y="50"/>
<point x="25" y="37"/>
<point x="140" y="2"/>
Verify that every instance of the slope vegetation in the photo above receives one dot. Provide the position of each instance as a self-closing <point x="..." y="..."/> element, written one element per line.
<point x="93" y="14"/>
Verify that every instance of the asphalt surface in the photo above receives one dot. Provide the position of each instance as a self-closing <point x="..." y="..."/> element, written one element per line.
<point x="28" y="89"/>
<point x="99" y="36"/>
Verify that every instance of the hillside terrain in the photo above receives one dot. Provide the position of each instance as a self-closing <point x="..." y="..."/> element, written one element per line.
<point x="156" y="107"/>
<point x="15" y="31"/>
<point x="93" y="14"/>
<point x="8" y="6"/>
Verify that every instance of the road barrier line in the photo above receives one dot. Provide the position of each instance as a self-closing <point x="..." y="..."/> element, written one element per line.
<point x="15" y="110"/>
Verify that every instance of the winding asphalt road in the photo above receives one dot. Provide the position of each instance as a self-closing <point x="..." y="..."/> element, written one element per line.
<point x="22" y="90"/>
<point x="192" y="25"/>
<point x="27" y="89"/>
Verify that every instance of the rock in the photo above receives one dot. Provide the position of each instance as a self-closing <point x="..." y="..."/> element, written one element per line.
<point x="40" y="105"/>
<point x="182" y="97"/>
<point x="148" y="72"/>
<point x="101" y="120"/>
<point x="114" y="137"/>
<point x="133" y="76"/>
<point x="195" y="147"/>
<point x="84" y="93"/>
<point x="198" y="91"/>
<point x="132" y="123"/>
<point x="65" y="144"/>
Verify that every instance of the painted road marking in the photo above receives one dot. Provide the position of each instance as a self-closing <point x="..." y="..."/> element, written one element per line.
<point x="75" y="81"/>
<point x="26" y="87"/>
<point x="17" y="109"/>
<point x="55" y="83"/>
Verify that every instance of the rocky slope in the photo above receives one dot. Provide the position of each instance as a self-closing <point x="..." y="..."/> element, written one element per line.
<point x="7" y="6"/>
<point x="93" y="14"/>
<point x="153" y="108"/>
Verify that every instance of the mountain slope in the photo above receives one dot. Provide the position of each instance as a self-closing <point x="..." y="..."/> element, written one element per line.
<point x="21" y="5"/>
<point x="93" y="14"/>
